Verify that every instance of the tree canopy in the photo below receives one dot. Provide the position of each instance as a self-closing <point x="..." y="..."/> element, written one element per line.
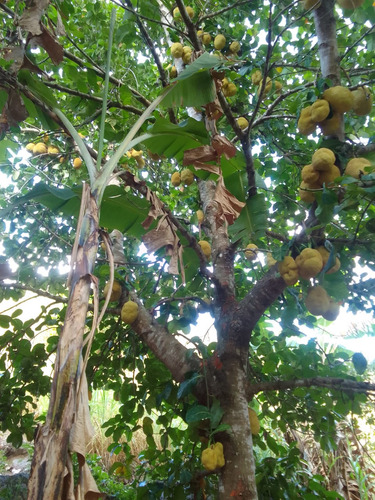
<point x="177" y="160"/>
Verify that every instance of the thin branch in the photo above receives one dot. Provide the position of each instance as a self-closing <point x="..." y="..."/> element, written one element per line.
<point x="18" y="286"/>
<point x="218" y="12"/>
<point x="100" y="72"/>
<point x="351" y="47"/>
<point x="111" y="104"/>
<point x="265" y="117"/>
<point x="338" y="384"/>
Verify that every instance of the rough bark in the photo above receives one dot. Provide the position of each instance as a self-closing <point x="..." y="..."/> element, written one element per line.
<point x="237" y="479"/>
<point x="52" y="439"/>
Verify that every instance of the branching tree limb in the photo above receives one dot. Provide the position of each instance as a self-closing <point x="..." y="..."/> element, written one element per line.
<point x="339" y="384"/>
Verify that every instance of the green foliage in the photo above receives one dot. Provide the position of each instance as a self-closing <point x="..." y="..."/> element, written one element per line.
<point x="40" y="200"/>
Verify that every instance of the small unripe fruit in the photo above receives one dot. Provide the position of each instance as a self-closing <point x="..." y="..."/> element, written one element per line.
<point x="235" y="47"/>
<point x="40" y="148"/>
<point x="206" y="39"/>
<point x="206" y="248"/>
<point x="242" y="123"/>
<point x="200" y="216"/>
<point x="187" y="177"/>
<point x="77" y="163"/>
<point x="115" y="293"/>
<point x="219" y="42"/>
<point x="176" y="179"/>
<point x="177" y="50"/>
<point x="129" y="312"/>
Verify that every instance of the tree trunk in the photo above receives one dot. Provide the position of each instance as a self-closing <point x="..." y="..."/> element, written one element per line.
<point x="237" y="479"/>
<point x="52" y="439"/>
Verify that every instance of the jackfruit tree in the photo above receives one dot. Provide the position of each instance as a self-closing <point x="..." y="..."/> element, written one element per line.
<point x="120" y="122"/>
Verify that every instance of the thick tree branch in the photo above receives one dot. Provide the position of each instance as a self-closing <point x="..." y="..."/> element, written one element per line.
<point x="177" y="358"/>
<point x="338" y="384"/>
<point x="189" y="25"/>
<point x="325" y="26"/>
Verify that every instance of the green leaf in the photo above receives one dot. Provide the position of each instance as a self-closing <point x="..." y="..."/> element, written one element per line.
<point x="187" y="386"/>
<point x="196" y="90"/>
<point x="251" y="223"/>
<point x="170" y="140"/>
<point x="197" y="413"/>
<point x="4" y="153"/>
<point x="204" y="62"/>
<point x="38" y="88"/>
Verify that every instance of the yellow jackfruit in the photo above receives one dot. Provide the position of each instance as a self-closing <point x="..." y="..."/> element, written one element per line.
<point x="190" y="11"/>
<point x="176" y="179"/>
<point x="218" y="447"/>
<point x="270" y="261"/>
<point x="256" y="77"/>
<point x="328" y="176"/>
<point x="304" y="194"/>
<point x="213" y="457"/>
<point x="319" y="110"/>
<point x="323" y="159"/>
<point x="115" y="293"/>
<point x="187" y="177"/>
<point x="362" y="103"/>
<point x="289" y="270"/>
<point x="52" y="150"/>
<point x="129" y="312"/>
<point x="200" y="216"/>
<point x="235" y="47"/>
<point x="30" y="147"/>
<point x="317" y="300"/>
<point x="309" y="174"/>
<point x="267" y="87"/>
<point x="40" y="148"/>
<point x="355" y="167"/>
<point x="230" y="90"/>
<point x="206" y="39"/>
<point x="309" y="263"/>
<point x="219" y="42"/>
<point x="177" y="50"/>
<point x="254" y="422"/>
<point x="332" y="125"/>
<point x="205" y="247"/>
<point x="325" y="256"/>
<point x="251" y="252"/>
<point x="340" y="98"/>
<point x="186" y="56"/>
<point x="77" y="163"/>
<point x="173" y="72"/>
<point x="305" y="124"/>
<point x="242" y="123"/>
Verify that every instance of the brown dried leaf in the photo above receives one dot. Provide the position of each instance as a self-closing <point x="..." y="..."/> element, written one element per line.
<point x="15" y="110"/>
<point x="156" y="209"/>
<point x="15" y="54"/>
<point x="81" y="434"/>
<point x="60" y="28"/>
<point x="200" y="154"/>
<point x="31" y="16"/>
<point x="230" y="206"/>
<point x="223" y="146"/>
<point x="49" y="44"/>
<point x="214" y="169"/>
<point x="213" y="110"/>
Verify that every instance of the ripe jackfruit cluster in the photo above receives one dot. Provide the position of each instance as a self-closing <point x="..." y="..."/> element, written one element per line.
<point x="327" y="112"/>
<point x="356" y="167"/>
<point x="138" y="156"/>
<point x="321" y="170"/>
<point x="177" y="13"/>
<point x="228" y="88"/>
<point x="40" y="148"/>
<point x="308" y="264"/>
<point x="213" y="457"/>
<point x="319" y="303"/>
